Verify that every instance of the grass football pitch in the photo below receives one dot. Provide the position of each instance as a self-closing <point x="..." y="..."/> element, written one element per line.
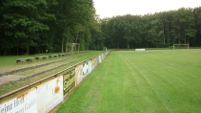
<point x="155" y="81"/>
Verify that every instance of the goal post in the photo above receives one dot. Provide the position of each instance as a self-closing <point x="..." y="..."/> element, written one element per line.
<point x="72" y="48"/>
<point x="181" y="46"/>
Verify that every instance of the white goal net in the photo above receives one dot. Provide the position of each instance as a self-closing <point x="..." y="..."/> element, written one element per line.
<point x="180" y="46"/>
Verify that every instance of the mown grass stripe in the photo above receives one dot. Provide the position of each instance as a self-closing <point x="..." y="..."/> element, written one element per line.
<point x="148" y="82"/>
<point x="141" y="82"/>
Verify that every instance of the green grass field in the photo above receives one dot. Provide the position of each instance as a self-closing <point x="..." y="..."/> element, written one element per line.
<point x="155" y="81"/>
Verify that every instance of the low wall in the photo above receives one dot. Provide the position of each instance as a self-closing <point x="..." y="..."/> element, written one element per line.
<point x="43" y="97"/>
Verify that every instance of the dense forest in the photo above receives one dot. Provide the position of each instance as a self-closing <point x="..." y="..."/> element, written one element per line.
<point x="33" y="26"/>
<point x="182" y="26"/>
<point x="29" y="27"/>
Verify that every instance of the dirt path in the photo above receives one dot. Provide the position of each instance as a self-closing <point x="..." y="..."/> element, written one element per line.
<point x="8" y="78"/>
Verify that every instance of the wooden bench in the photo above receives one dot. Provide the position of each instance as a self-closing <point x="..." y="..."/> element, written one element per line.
<point x="62" y="54"/>
<point x="44" y="57"/>
<point x="21" y="60"/>
<point x="29" y="59"/>
<point x="41" y="57"/>
<point x="55" y="55"/>
<point x="38" y="58"/>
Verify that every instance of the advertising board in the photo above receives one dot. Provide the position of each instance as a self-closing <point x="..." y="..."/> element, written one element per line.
<point x="50" y="94"/>
<point x="69" y="81"/>
<point x="94" y="63"/>
<point x="78" y="74"/>
<point x="25" y="102"/>
<point x="90" y="66"/>
<point x="100" y="59"/>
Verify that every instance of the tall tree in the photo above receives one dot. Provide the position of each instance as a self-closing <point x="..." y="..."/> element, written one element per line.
<point x="73" y="18"/>
<point x="197" y="15"/>
<point x="184" y="25"/>
<point x="22" y="22"/>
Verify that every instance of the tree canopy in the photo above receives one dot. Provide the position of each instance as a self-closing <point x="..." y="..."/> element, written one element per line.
<point x="162" y="29"/>
<point x="29" y="27"/>
<point x="34" y="26"/>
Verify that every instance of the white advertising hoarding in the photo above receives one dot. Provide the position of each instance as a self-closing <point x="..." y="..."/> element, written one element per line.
<point x="94" y="63"/>
<point x="78" y="74"/>
<point x="102" y="56"/>
<point x="90" y="66"/>
<point x="100" y="59"/>
<point x="50" y="94"/>
<point x="85" y="69"/>
<point x="23" y="103"/>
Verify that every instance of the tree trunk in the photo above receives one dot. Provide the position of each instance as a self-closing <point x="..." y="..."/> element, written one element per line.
<point x="76" y="39"/>
<point x="164" y="34"/>
<point x="62" y="44"/>
<point x="164" y="38"/>
<point x="128" y="46"/>
<point x="17" y="51"/>
<point x="118" y="45"/>
<point x="5" y="52"/>
<point x="62" y="40"/>
<point x="27" y="50"/>
<point x="179" y="40"/>
<point x="66" y="44"/>
<point x="185" y="40"/>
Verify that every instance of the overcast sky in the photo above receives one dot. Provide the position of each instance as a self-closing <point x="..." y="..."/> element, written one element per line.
<point x="110" y="8"/>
